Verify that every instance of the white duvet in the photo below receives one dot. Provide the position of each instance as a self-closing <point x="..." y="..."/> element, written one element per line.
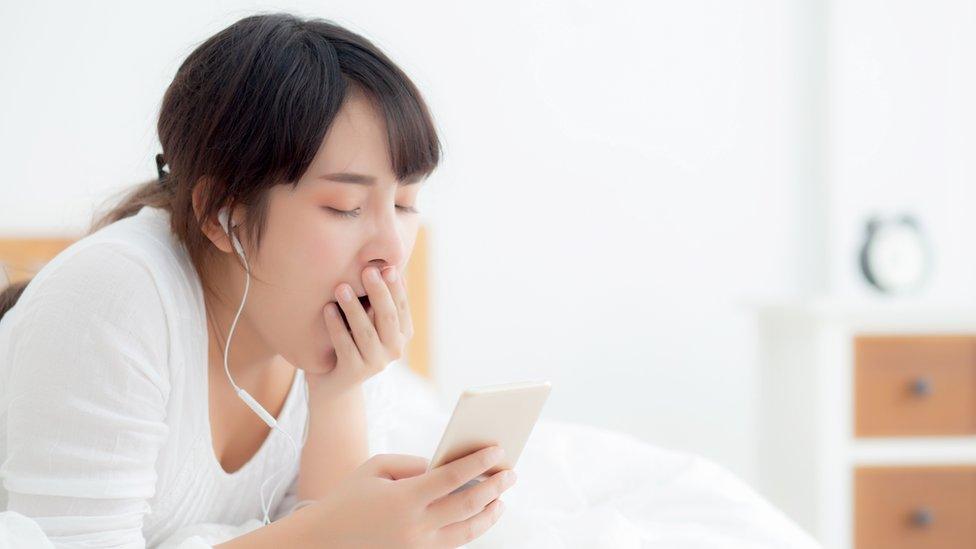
<point x="578" y="487"/>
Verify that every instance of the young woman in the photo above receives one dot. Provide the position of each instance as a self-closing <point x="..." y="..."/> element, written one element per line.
<point x="160" y="370"/>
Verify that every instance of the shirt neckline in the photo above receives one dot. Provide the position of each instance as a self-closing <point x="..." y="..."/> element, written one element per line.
<point x="259" y="455"/>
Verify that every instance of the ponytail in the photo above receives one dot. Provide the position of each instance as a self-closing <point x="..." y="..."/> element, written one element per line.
<point x="10" y="295"/>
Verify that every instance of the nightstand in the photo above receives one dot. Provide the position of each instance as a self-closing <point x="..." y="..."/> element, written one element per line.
<point x="868" y="421"/>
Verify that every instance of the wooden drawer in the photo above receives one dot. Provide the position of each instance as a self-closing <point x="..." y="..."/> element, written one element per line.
<point x="914" y="507"/>
<point x="914" y="385"/>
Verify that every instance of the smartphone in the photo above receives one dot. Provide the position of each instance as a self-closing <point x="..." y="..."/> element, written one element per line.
<point x="502" y="415"/>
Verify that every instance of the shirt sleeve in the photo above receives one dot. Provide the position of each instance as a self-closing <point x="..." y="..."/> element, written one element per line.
<point x="88" y="389"/>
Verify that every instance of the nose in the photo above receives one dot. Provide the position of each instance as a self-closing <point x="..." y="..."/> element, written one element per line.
<point x="388" y="246"/>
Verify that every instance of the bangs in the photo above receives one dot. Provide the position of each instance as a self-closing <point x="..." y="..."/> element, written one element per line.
<point x="332" y="68"/>
<point x="414" y="147"/>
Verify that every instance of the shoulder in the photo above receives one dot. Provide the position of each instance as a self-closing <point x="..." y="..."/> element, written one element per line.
<point x="133" y="267"/>
<point x="94" y="292"/>
<point x="104" y="295"/>
<point x="126" y="291"/>
<point x="95" y="277"/>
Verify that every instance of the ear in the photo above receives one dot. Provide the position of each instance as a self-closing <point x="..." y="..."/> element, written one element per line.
<point x="211" y="226"/>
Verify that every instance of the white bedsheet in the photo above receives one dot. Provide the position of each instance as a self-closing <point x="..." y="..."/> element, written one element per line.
<point x="584" y="487"/>
<point x="578" y="487"/>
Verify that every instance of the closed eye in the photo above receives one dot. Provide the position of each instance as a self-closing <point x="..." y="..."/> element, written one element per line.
<point x="355" y="213"/>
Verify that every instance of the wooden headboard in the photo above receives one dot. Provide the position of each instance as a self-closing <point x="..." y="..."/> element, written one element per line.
<point x="20" y="258"/>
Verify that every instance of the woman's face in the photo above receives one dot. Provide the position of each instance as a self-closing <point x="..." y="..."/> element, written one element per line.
<point x="310" y="247"/>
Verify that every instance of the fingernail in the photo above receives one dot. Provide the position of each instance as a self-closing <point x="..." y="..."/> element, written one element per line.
<point x="390" y="273"/>
<point x="498" y="453"/>
<point x="345" y="292"/>
<point x="509" y="478"/>
<point x="373" y="274"/>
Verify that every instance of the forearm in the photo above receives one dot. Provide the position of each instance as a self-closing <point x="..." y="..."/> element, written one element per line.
<point x="336" y="443"/>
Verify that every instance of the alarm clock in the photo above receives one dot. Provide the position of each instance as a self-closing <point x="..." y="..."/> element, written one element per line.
<point x="895" y="256"/>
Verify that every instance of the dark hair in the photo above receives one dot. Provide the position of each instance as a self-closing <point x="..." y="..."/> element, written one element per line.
<point x="248" y="109"/>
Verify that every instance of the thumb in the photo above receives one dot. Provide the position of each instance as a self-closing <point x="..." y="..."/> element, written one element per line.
<point x="397" y="466"/>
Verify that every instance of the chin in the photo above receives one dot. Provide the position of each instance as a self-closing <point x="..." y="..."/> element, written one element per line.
<point x="320" y="361"/>
<point x="324" y="362"/>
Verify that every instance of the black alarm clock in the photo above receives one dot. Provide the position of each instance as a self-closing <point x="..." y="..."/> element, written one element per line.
<point x="895" y="256"/>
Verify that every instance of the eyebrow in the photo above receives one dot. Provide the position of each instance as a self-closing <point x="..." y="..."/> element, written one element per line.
<point x="362" y="179"/>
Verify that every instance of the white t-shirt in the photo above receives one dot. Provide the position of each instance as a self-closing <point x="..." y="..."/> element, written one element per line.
<point x="105" y="434"/>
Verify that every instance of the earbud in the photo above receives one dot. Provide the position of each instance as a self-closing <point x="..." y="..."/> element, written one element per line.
<point x="224" y="217"/>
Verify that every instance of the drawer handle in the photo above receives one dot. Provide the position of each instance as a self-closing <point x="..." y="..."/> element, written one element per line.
<point x="922" y="517"/>
<point x="921" y="386"/>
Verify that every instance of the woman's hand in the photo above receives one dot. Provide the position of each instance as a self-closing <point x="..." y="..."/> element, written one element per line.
<point x="392" y="501"/>
<point x="377" y="338"/>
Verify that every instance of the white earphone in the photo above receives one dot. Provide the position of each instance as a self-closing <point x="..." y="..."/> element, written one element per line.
<point x="224" y="219"/>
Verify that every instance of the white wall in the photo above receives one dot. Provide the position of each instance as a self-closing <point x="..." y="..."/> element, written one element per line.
<point x="618" y="178"/>
<point x="902" y="83"/>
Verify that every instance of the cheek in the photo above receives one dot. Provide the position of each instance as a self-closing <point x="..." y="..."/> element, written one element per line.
<point x="303" y="258"/>
<point x="325" y="248"/>
<point x="300" y="273"/>
<point x="303" y="252"/>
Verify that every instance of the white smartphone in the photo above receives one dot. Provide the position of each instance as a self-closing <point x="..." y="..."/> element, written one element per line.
<point x="502" y="415"/>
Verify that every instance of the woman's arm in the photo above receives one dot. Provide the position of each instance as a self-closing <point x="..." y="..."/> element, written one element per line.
<point x="88" y="392"/>
<point x="336" y="443"/>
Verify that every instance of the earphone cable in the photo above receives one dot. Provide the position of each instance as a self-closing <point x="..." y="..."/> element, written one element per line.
<point x="265" y="506"/>
<point x="233" y="325"/>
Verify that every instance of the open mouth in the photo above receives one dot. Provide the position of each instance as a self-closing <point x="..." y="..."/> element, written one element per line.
<point x="364" y="301"/>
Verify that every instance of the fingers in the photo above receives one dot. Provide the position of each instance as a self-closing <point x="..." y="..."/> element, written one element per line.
<point x="461" y="533"/>
<point x="345" y="347"/>
<point x="385" y="316"/>
<point x="398" y="291"/>
<point x="362" y="329"/>
<point x="442" y="480"/>
<point x="378" y="337"/>
<point x="459" y="506"/>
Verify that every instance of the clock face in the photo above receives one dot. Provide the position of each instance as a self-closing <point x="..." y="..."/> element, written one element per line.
<point x="895" y="257"/>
